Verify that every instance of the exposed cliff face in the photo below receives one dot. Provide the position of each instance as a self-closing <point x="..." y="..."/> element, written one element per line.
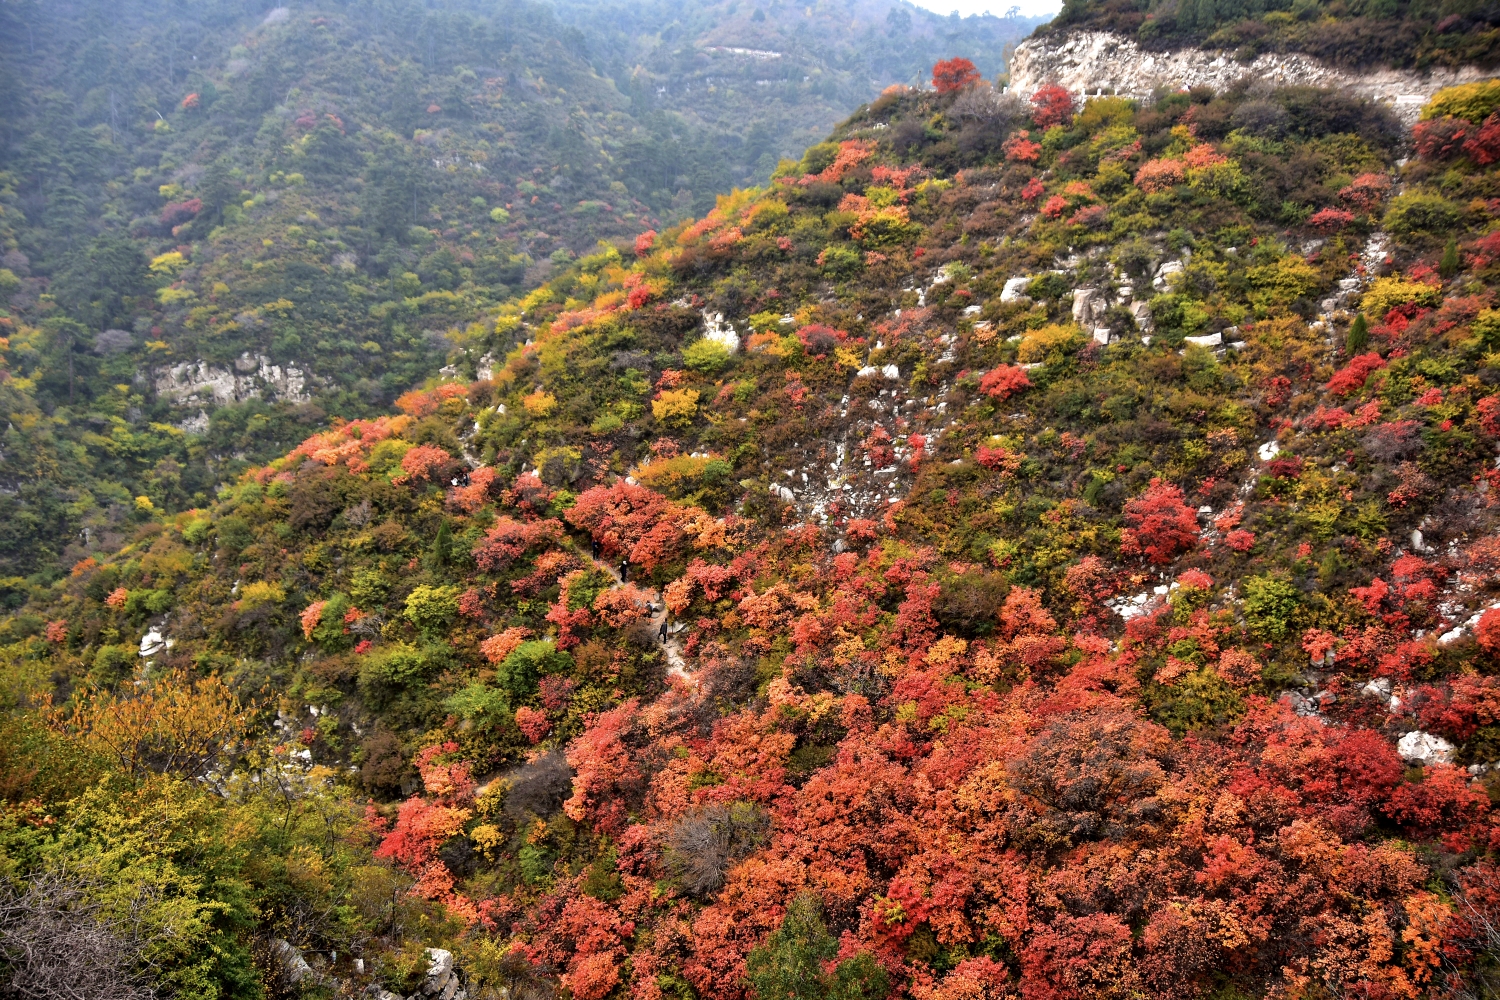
<point x="194" y="382"/>
<point x="1090" y="61"/>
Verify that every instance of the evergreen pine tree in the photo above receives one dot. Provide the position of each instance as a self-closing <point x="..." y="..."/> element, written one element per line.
<point x="1359" y="335"/>
<point x="789" y="966"/>
<point x="1451" y="263"/>
<point x="442" y="546"/>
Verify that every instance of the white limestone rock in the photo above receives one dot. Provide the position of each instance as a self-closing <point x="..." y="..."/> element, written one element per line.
<point x="1142" y="313"/>
<point x="154" y="642"/>
<point x="1087" y="61"/>
<point x="1417" y="747"/>
<point x="1165" y="273"/>
<point x="253" y="377"/>
<point x="1014" y="290"/>
<point x="720" y="332"/>
<point x="294" y="968"/>
<point x="1089" y="305"/>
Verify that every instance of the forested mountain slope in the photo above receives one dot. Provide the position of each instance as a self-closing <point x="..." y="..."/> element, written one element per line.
<point x="290" y="207"/>
<point x="1077" y="533"/>
<point x="223" y="223"/>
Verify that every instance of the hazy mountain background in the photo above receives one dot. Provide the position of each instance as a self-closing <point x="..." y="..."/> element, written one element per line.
<point x="291" y="206"/>
<point x="770" y="78"/>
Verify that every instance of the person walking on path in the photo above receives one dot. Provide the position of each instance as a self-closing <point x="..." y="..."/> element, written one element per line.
<point x="662" y="632"/>
<point x="624" y="569"/>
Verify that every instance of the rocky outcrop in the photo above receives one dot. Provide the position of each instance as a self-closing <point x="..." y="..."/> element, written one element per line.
<point x="253" y="377"/>
<point x="1424" y="748"/>
<point x="442" y="981"/>
<point x="1089" y="62"/>
<point x="293" y="967"/>
<point x="720" y="332"/>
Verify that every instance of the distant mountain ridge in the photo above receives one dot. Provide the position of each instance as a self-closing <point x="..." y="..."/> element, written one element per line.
<point x="789" y="70"/>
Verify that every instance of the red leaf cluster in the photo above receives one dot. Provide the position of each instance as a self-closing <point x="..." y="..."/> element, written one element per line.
<point x="1351" y="378"/>
<point x="1161" y="525"/>
<point x="950" y="75"/>
<point x="1051" y="105"/>
<point x="1019" y="148"/>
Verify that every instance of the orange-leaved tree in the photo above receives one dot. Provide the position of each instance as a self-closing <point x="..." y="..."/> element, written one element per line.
<point x="954" y="74"/>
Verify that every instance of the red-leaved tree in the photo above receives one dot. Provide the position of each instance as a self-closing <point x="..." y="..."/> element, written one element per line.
<point x="1051" y="105"/>
<point x="954" y="74"/>
<point x="1020" y="148"/>
<point x="1440" y="138"/>
<point x="425" y="462"/>
<point x="1330" y="220"/>
<point x="606" y="773"/>
<point x="1351" y="378"/>
<point x="509" y="539"/>
<point x="1484" y="146"/>
<point x="1162" y="525"/>
<point x="617" y="516"/>
<point x="1004" y="382"/>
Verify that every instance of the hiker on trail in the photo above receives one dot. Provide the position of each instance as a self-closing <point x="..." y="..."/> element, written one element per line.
<point x="662" y="632"/>
<point x="624" y="569"/>
<point x="594" y="547"/>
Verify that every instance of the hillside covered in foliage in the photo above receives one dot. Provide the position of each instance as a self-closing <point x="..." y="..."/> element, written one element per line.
<point x="222" y="223"/>
<point x="1026" y="549"/>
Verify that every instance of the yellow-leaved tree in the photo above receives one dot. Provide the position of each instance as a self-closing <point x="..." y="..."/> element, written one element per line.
<point x="178" y="724"/>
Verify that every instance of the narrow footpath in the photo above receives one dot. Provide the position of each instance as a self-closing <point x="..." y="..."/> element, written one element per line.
<point x="676" y="663"/>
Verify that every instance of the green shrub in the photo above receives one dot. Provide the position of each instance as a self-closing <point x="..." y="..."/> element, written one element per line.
<point x="1197" y="701"/>
<point x="1486" y="327"/>
<point x="235" y="532"/>
<point x="112" y="664"/>
<point x="1451" y="263"/>
<point x="602" y="881"/>
<point x="839" y="261"/>
<point x="330" y="631"/>
<point x="1471" y="101"/>
<point x="818" y="157"/>
<point x="484" y="706"/>
<point x="536" y="863"/>
<point x="396" y="666"/>
<point x="369" y="588"/>
<point x="1269" y="606"/>
<point x="791" y="963"/>
<point x="148" y="602"/>
<point x="195" y="532"/>
<point x="1418" y="214"/>
<point x="606" y="423"/>
<point x="432" y="609"/>
<point x="1359" y="336"/>
<point x="527" y="664"/>
<point x="706" y="356"/>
